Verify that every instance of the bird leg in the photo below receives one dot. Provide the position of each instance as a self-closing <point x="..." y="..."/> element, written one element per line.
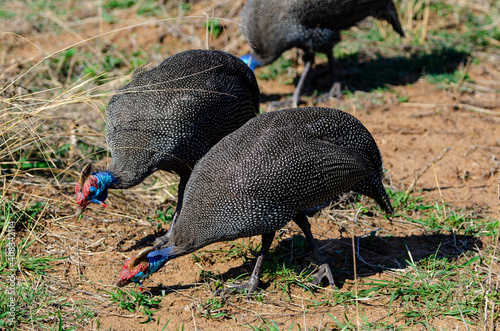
<point x="160" y="242"/>
<point x="251" y="285"/>
<point x="180" y="199"/>
<point x="324" y="268"/>
<point x="309" y="60"/>
<point x="335" y="91"/>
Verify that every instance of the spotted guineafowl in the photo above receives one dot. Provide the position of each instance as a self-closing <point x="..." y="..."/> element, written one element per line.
<point x="268" y="172"/>
<point x="274" y="26"/>
<point x="168" y="117"/>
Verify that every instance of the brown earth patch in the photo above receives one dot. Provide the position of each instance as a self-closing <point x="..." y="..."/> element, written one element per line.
<point x="410" y="135"/>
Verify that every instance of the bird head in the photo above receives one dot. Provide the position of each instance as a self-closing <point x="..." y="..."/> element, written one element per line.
<point x="143" y="265"/>
<point x="92" y="187"/>
<point x="250" y="61"/>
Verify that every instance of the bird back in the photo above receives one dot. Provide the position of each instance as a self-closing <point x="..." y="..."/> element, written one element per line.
<point x="273" y="26"/>
<point x="169" y="117"/>
<point x="256" y="179"/>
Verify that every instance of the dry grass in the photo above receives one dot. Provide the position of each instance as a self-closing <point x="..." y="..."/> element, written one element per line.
<point x="52" y="121"/>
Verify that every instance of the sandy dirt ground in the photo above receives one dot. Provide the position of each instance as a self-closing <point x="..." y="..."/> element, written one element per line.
<point x="442" y="145"/>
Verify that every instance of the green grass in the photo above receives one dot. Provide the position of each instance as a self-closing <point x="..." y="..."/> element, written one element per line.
<point x="436" y="287"/>
<point x="239" y="249"/>
<point x="42" y="305"/>
<point x="164" y="217"/>
<point x="437" y="217"/>
<point x="441" y="217"/>
<point x="392" y="60"/>
<point x="5" y="14"/>
<point x="77" y="66"/>
<point x="23" y="221"/>
<point x="36" y="152"/>
<point x="119" y="4"/>
<point x="278" y="70"/>
<point x="448" y="81"/>
<point x="133" y="301"/>
<point x="215" y="27"/>
<point x="429" y="289"/>
<point x="146" y="8"/>
<point x="40" y="300"/>
<point x="214" y="309"/>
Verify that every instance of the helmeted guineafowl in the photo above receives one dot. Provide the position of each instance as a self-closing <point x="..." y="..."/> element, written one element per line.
<point x="274" y="26"/>
<point x="168" y="117"/>
<point x="258" y="178"/>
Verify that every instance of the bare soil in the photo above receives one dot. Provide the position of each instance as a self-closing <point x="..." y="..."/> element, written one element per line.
<point x="458" y="130"/>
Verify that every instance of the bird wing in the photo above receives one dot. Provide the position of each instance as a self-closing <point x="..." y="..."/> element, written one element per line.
<point x="308" y="172"/>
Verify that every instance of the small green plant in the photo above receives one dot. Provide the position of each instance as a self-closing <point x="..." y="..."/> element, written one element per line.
<point x="166" y="217"/>
<point x="41" y="303"/>
<point x="215" y="27"/>
<point x="439" y="216"/>
<point x="238" y="249"/>
<point x="108" y="63"/>
<point x="22" y="217"/>
<point x="149" y="8"/>
<point x="186" y="7"/>
<point x="436" y="287"/>
<point x="138" y="59"/>
<point x="446" y="81"/>
<point x="403" y="98"/>
<point x="213" y="308"/>
<point x="118" y="4"/>
<point x="133" y="301"/>
<point x="285" y="277"/>
<point x="27" y="263"/>
<point x="279" y="69"/>
<point x="7" y="14"/>
<point x="158" y="323"/>
<point x="283" y="272"/>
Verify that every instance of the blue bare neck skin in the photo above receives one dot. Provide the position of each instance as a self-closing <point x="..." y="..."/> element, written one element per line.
<point x="157" y="259"/>
<point x="105" y="178"/>
<point x="250" y="61"/>
<point x="104" y="181"/>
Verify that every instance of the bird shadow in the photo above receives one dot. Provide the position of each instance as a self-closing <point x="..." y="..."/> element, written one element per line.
<point x="374" y="254"/>
<point x="162" y="290"/>
<point x="359" y="73"/>
<point x="146" y="241"/>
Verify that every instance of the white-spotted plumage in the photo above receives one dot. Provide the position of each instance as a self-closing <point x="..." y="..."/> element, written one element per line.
<point x="168" y="117"/>
<point x="257" y="179"/>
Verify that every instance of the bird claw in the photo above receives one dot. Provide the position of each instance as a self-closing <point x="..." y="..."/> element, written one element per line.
<point x="159" y="242"/>
<point x="248" y="287"/>
<point x="335" y="92"/>
<point x="324" y="271"/>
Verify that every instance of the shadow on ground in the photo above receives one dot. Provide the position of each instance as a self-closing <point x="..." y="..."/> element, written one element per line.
<point x="357" y="72"/>
<point x="374" y="254"/>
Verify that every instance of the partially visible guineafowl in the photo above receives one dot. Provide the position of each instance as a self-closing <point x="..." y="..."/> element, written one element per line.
<point x="274" y="26"/>
<point x="168" y="117"/>
<point x="257" y="179"/>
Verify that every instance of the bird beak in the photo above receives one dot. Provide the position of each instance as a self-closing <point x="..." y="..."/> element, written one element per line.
<point x="121" y="283"/>
<point x="79" y="211"/>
